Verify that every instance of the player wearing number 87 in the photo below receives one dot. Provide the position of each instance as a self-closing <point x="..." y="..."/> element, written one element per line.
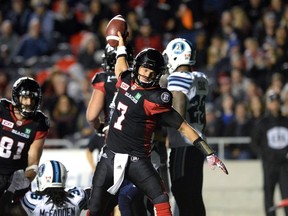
<point x="139" y="106"/>
<point x="23" y="129"/>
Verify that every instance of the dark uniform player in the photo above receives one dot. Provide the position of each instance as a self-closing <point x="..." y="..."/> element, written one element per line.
<point x="103" y="93"/>
<point x="270" y="143"/>
<point x="139" y="105"/>
<point x="22" y="132"/>
<point x="104" y="85"/>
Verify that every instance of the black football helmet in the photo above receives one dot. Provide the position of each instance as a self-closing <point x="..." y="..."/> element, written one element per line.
<point x="152" y="59"/>
<point x="109" y="58"/>
<point x="28" y="87"/>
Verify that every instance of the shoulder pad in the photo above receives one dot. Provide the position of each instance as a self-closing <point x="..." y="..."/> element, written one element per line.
<point x="4" y="104"/>
<point x="99" y="77"/>
<point x="43" y="120"/>
<point x="125" y="74"/>
<point x="197" y="74"/>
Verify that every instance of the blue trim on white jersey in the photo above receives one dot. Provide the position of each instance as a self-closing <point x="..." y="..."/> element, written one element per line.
<point x="28" y="204"/>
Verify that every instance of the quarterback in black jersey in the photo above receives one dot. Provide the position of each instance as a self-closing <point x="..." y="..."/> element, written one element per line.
<point x="140" y="104"/>
<point x="22" y="132"/>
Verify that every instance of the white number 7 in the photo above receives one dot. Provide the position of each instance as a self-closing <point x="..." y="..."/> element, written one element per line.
<point x="122" y="108"/>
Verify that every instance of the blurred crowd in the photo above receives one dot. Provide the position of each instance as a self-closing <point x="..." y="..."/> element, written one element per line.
<point x="241" y="45"/>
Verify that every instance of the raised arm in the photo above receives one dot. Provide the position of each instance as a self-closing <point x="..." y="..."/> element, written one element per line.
<point x="121" y="55"/>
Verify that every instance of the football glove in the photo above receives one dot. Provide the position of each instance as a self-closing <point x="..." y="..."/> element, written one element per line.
<point x="19" y="181"/>
<point x="214" y="161"/>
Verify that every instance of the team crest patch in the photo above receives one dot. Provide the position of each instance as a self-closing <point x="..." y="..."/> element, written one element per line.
<point x="165" y="97"/>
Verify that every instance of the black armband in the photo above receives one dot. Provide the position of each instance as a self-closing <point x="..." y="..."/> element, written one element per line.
<point x="203" y="146"/>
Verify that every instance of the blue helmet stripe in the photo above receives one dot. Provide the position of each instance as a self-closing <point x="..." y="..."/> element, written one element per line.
<point x="56" y="171"/>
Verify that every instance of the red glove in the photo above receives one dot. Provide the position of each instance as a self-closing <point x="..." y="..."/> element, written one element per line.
<point x="213" y="161"/>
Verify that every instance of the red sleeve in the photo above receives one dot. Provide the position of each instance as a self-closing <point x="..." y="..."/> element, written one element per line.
<point x="154" y="108"/>
<point x="100" y="86"/>
<point x="41" y="134"/>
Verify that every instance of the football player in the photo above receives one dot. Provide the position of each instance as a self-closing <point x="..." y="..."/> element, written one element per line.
<point x="23" y="131"/>
<point x="139" y="105"/>
<point x="104" y="90"/>
<point x="51" y="196"/>
<point x="189" y="89"/>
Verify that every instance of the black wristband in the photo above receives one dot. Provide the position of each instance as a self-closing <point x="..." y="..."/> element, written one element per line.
<point x="203" y="146"/>
<point x="122" y="55"/>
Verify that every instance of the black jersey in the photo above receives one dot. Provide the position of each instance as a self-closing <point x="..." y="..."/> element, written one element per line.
<point x="105" y="82"/>
<point x="270" y="138"/>
<point x="137" y="111"/>
<point x="17" y="136"/>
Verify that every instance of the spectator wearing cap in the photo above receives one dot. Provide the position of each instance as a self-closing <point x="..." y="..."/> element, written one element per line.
<point x="270" y="143"/>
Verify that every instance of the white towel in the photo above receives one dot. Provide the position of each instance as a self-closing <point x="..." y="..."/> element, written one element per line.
<point x="120" y="162"/>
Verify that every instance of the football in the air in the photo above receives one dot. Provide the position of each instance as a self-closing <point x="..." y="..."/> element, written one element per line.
<point x="117" y="23"/>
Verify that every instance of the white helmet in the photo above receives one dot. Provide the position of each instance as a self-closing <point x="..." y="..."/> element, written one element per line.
<point x="179" y="52"/>
<point x="51" y="174"/>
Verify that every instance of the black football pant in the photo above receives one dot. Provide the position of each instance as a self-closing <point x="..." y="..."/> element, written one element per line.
<point x="275" y="173"/>
<point x="140" y="172"/>
<point x="186" y="173"/>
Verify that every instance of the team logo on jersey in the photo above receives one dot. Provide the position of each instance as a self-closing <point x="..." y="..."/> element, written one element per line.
<point x="132" y="97"/>
<point x="138" y="96"/>
<point x="124" y="86"/>
<point x="165" y="97"/>
<point x="27" y="131"/>
<point x="133" y="87"/>
<point x="19" y="133"/>
<point x="7" y="123"/>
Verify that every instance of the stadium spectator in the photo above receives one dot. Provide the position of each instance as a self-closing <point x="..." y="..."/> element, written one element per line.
<point x="45" y="15"/>
<point x="147" y="37"/>
<point x="32" y="44"/>
<point x="20" y="15"/>
<point x="66" y="23"/>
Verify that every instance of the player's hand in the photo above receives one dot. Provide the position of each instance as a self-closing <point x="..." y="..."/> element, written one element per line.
<point x="214" y="161"/>
<point x="121" y="39"/>
<point x="19" y="181"/>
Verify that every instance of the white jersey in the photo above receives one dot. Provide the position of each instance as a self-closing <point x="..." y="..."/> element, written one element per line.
<point x="36" y="205"/>
<point x="195" y="86"/>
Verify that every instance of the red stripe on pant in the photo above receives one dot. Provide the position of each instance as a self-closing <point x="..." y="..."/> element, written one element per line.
<point x="163" y="209"/>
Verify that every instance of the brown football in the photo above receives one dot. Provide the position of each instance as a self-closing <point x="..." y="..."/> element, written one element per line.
<point x="117" y="23"/>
